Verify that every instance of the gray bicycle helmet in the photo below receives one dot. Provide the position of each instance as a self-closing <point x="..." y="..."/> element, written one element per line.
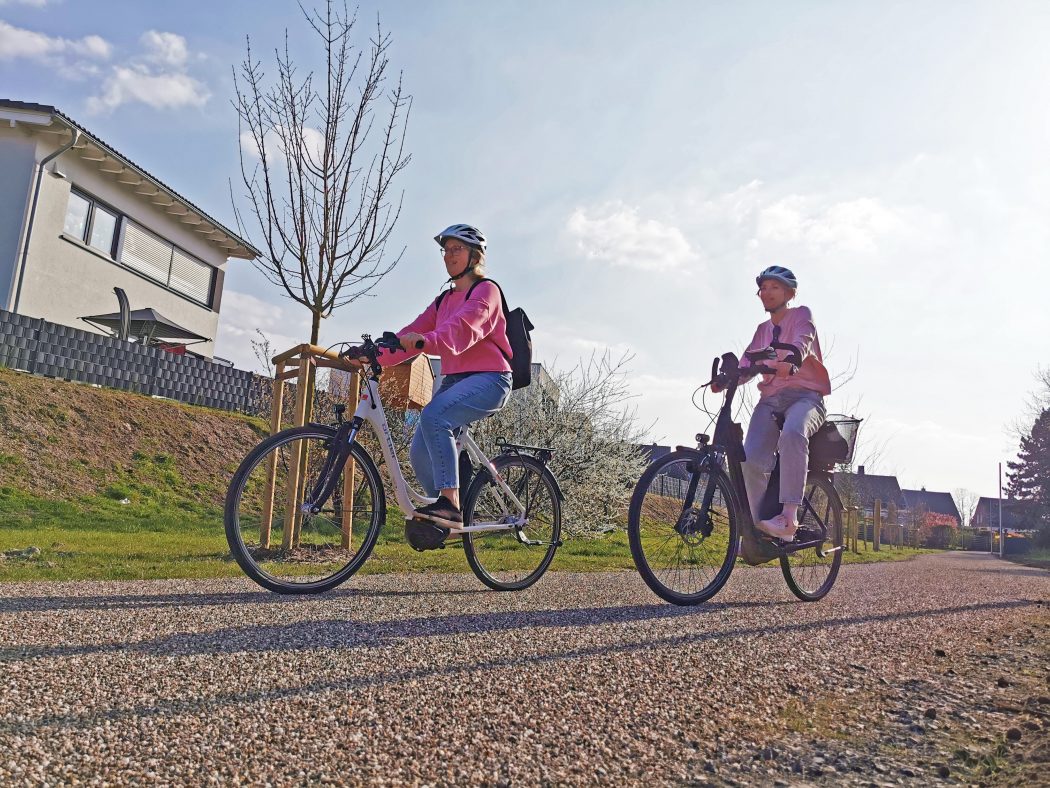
<point x="780" y="273"/>
<point x="471" y="236"/>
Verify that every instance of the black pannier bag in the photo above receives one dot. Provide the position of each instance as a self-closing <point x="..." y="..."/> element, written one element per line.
<point x="834" y="442"/>
<point x="518" y="328"/>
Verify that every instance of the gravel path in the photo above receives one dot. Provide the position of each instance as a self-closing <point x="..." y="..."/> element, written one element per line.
<point x="932" y="669"/>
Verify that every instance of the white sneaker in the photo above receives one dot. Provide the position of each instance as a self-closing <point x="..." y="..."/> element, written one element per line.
<point x="778" y="527"/>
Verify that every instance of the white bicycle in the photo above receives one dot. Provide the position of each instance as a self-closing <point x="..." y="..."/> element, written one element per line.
<point x="305" y="507"/>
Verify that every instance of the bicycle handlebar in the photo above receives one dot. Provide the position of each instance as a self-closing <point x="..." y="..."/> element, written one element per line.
<point x="731" y="369"/>
<point x="369" y="348"/>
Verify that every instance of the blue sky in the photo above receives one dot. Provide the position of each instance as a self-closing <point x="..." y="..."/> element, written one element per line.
<point x="636" y="164"/>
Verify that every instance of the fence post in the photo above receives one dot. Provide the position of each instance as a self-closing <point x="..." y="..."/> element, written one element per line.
<point x="876" y="538"/>
<point x="276" y="407"/>
<point x="896" y="541"/>
<point x="291" y="494"/>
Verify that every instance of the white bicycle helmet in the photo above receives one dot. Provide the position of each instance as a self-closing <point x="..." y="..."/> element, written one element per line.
<point x="471" y="236"/>
<point x="780" y="273"/>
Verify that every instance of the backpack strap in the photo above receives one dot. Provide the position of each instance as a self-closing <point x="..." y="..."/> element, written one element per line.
<point x="502" y="298"/>
<point x="440" y="298"/>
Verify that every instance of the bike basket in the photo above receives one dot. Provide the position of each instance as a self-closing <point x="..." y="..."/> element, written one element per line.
<point x="834" y="442"/>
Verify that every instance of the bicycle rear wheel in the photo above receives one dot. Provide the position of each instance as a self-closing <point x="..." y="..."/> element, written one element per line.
<point x="515" y="558"/>
<point x="682" y="526"/>
<point x="276" y="543"/>
<point x="811" y="573"/>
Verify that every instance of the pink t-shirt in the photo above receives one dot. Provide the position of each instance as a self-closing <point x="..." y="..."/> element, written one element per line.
<point x="469" y="334"/>
<point x="795" y="329"/>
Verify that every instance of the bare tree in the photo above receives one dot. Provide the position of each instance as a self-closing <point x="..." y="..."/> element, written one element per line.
<point x="584" y="414"/>
<point x="318" y="181"/>
<point x="965" y="500"/>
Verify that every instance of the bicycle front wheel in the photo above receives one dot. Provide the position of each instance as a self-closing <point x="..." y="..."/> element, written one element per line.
<point x="682" y="526"/>
<point x="511" y="559"/>
<point x="284" y="548"/>
<point x="811" y="573"/>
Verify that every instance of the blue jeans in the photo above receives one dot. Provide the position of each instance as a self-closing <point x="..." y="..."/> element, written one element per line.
<point x="460" y="400"/>
<point x="803" y="412"/>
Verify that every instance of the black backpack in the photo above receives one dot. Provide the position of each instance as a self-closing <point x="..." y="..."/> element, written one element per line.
<point x="518" y="328"/>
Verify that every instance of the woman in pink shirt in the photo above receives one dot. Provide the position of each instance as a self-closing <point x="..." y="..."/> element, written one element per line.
<point x="797" y="398"/>
<point x="470" y="336"/>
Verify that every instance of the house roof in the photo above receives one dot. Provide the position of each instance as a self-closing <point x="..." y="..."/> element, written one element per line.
<point x="866" y="488"/>
<point x="92" y="148"/>
<point x="1014" y="514"/>
<point x="936" y="502"/>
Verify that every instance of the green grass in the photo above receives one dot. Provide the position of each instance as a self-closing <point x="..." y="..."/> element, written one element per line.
<point x="1039" y="559"/>
<point x="159" y="535"/>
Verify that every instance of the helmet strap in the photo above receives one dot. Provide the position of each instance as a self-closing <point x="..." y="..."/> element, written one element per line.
<point x="469" y="267"/>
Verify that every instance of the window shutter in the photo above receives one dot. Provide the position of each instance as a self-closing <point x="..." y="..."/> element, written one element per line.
<point x="146" y="253"/>
<point x="190" y="277"/>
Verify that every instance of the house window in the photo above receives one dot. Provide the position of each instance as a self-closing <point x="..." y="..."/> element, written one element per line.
<point x="161" y="261"/>
<point x="90" y="222"/>
<point x="77" y="216"/>
<point x="103" y="229"/>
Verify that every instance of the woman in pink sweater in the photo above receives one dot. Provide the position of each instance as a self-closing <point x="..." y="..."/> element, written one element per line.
<point x="797" y="396"/>
<point x="470" y="336"/>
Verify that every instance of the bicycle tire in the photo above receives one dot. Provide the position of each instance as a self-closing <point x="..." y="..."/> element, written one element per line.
<point x="811" y="573"/>
<point x="498" y="558"/>
<point x="658" y="500"/>
<point x="241" y="516"/>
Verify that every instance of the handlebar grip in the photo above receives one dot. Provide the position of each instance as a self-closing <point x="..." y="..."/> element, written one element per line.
<point x="762" y="369"/>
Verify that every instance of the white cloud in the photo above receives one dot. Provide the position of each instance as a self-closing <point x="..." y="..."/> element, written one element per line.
<point x="17" y="42"/>
<point x="160" y="91"/>
<point x="166" y="49"/>
<point x="157" y="77"/>
<point x="241" y="315"/>
<point x="313" y="144"/>
<point x="34" y="3"/>
<point x="616" y="234"/>
<point x="854" y="226"/>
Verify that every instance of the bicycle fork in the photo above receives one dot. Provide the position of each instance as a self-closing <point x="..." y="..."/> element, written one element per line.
<point x="338" y="454"/>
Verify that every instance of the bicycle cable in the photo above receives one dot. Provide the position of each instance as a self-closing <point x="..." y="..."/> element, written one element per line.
<point x="702" y="407"/>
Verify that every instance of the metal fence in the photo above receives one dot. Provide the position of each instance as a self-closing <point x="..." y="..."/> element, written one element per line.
<point x="42" y="348"/>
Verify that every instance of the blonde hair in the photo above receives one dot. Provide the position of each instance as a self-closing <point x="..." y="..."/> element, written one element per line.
<point x="479" y="265"/>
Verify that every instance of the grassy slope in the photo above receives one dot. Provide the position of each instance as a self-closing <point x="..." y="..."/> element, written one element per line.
<point x="113" y="485"/>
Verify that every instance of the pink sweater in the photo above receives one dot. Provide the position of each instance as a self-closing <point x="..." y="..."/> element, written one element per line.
<point x="469" y="334"/>
<point x="795" y="329"/>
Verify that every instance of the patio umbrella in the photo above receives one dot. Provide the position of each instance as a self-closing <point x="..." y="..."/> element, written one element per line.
<point x="148" y="325"/>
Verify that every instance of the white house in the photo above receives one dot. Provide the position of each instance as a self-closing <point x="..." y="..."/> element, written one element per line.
<point x="77" y="219"/>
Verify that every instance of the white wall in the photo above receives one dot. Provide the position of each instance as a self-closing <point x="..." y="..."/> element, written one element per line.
<point x="65" y="280"/>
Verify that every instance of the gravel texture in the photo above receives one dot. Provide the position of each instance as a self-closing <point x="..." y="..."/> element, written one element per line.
<point x="931" y="670"/>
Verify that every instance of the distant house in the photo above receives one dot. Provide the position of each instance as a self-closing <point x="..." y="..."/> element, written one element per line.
<point x="922" y="502"/>
<point x="986" y="515"/>
<point x="78" y="218"/>
<point x="862" y="490"/>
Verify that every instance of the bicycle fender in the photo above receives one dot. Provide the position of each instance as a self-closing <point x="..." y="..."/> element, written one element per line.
<point x="554" y="479"/>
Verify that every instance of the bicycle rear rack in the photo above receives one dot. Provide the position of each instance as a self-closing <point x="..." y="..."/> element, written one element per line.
<point x="541" y="453"/>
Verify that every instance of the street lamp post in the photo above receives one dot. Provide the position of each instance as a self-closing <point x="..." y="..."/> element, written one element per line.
<point x="1000" y="510"/>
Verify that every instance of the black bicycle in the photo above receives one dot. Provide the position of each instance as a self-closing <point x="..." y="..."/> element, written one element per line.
<point x="689" y="517"/>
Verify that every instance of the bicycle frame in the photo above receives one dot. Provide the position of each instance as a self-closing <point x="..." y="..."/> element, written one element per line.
<point x="727" y="444"/>
<point x="370" y="410"/>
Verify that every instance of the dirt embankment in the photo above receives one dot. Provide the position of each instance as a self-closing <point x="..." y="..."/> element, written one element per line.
<point x="66" y="440"/>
